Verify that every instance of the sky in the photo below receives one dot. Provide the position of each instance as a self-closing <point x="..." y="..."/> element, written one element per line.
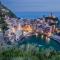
<point x="32" y="5"/>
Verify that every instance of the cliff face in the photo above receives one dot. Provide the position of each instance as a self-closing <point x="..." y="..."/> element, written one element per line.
<point x="6" y="11"/>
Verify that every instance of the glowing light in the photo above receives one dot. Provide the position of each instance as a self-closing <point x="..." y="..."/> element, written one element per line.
<point x="47" y="39"/>
<point x="27" y="28"/>
<point x="13" y="30"/>
<point x="42" y="36"/>
<point x="19" y="27"/>
<point x="36" y="34"/>
<point x="49" y="34"/>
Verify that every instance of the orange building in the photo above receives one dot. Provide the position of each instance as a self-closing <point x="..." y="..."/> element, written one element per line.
<point x="27" y="28"/>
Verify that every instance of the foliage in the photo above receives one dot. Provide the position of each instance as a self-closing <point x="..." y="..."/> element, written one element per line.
<point x="3" y="24"/>
<point x="31" y="54"/>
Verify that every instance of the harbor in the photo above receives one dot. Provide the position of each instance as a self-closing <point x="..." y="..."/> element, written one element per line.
<point x="45" y="27"/>
<point x="16" y="30"/>
<point x="29" y="30"/>
<point x="38" y="41"/>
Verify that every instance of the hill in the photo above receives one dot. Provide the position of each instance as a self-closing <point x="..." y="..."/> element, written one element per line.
<point x="6" y="11"/>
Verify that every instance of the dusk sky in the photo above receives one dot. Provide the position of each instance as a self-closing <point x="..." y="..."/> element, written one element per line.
<point x="32" y="5"/>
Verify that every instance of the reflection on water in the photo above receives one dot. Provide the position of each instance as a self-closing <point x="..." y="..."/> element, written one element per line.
<point x="41" y="42"/>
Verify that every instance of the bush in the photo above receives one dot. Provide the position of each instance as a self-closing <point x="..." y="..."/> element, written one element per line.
<point x="41" y="54"/>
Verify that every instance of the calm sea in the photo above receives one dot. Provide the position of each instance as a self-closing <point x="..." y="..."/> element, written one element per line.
<point x="41" y="42"/>
<point x="36" y="14"/>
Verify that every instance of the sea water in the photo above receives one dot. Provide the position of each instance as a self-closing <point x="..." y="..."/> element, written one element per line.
<point x="34" y="15"/>
<point x="41" y="42"/>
